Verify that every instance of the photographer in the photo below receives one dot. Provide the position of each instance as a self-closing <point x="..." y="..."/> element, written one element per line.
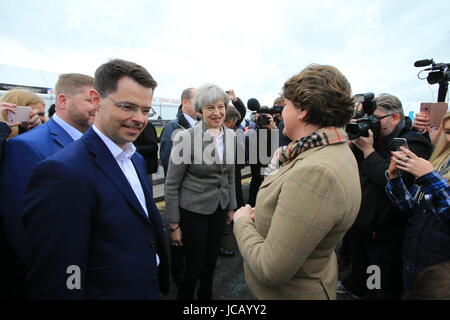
<point x="266" y="129"/>
<point x="376" y="237"/>
<point x="279" y="104"/>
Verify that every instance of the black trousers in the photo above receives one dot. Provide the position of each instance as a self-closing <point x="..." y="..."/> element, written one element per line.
<point x="238" y="186"/>
<point x="201" y="237"/>
<point x="255" y="183"/>
<point x="384" y="253"/>
<point x="177" y="263"/>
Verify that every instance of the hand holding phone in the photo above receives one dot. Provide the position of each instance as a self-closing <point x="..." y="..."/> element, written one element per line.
<point x="22" y="114"/>
<point x="400" y="142"/>
<point x="435" y="112"/>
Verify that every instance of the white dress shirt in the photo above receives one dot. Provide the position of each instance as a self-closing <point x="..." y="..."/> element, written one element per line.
<point x="219" y="145"/>
<point x="74" y="133"/>
<point x="123" y="158"/>
<point x="189" y="119"/>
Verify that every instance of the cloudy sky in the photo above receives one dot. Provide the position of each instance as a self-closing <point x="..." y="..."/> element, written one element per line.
<point x="250" y="46"/>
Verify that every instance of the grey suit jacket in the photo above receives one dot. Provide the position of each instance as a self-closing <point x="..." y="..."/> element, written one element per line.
<point x="197" y="179"/>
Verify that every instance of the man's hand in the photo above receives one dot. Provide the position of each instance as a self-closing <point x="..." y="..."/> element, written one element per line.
<point x="232" y="95"/>
<point x="271" y="124"/>
<point x="365" y="144"/>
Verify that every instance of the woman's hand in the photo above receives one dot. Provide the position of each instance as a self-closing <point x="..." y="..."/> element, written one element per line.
<point x="33" y="122"/>
<point x="247" y="211"/>
<point x="392" y="170"/>
<point x="4" y="107"/>
<point x="271" y="124"/>
<point x="175" y="236"/>
<point x="365" y="144"/>
<point x="407" y="161"/>
<point x="434" y="134"/>
<point x="230" y="215"/>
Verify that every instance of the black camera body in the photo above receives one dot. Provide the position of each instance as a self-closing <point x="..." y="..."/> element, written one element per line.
<point x="263" y="111"/>
<point x="438" y="73"/>
<point x="262" y="119"/>
<point x="361" y="125"/>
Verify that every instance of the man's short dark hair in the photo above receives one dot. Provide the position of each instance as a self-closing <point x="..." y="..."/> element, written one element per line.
<point x="108" y="75"/>
<point x="324" y="92"/>
<point x="232" y="113"/>
<point x="187" y="94"/>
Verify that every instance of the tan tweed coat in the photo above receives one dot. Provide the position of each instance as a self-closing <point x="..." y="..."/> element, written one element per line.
<point x="302" y="212"/>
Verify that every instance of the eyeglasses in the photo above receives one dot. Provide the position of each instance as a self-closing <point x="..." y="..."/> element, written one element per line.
<point x="385" y="116"/>
<point x="128" y="107"/>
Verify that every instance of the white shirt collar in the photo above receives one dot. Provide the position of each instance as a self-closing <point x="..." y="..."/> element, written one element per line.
<point x="118" y="153"/>
<point x="189" y="119"/>
<point x="74" y="133"/>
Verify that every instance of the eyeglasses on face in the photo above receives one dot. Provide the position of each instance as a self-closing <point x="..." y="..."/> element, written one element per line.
<point x="128" y="107"/>
<point x="385" y="116"/>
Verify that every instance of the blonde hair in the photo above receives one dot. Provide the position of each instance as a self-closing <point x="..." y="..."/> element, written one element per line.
<point x="441" y="152"/>
<point x="72" y="83"/>
<point x="21" y="97"/>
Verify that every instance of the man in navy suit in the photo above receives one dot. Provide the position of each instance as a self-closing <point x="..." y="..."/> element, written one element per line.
<point x="90" y="219"/>
<point x="75" y="112"/>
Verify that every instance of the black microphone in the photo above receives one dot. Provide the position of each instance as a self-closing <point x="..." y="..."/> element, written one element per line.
<point x="253" y="104"/>
<point x="423" y="63"/>
<point x="437" y="66"/>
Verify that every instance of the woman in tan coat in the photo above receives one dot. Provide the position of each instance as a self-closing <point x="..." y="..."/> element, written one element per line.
<point x="305" y="206"/>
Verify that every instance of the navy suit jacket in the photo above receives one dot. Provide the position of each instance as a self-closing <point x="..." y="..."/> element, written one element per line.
<point x="21" y="154"/>
<point x="81" y="211"/>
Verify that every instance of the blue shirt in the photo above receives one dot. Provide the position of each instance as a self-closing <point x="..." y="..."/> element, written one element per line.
<point x="74" y="133"/>
<point x="430" y="188"/>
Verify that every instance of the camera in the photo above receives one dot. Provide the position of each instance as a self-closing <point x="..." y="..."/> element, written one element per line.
<point x="361" y="124"/>
<point x="263" y="111"/>
<point x="438" y="73"/>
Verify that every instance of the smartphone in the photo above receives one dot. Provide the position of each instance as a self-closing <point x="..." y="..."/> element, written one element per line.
<point x="435" y="111"/>
<point x="400" y="142"/>
<point x="22" y="114"/>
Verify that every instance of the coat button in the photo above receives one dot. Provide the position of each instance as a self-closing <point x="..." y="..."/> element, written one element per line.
<point x="152" y="244"/>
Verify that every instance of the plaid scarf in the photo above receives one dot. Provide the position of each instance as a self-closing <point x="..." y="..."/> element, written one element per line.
<point x="323" y="137"/>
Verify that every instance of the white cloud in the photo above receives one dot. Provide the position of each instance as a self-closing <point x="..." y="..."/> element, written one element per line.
<point x="250" y="46"/>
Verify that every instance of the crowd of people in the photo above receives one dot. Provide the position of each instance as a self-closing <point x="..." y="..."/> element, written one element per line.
<point x="79" y="221"/>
